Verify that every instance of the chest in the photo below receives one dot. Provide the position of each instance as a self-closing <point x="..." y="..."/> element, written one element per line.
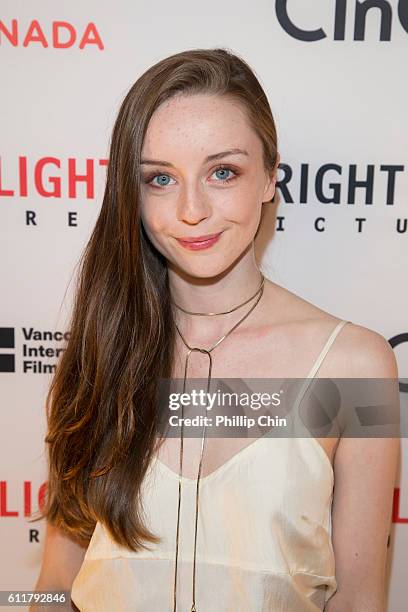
<point x="283" y="479"/>
<point x="260" y="355"/>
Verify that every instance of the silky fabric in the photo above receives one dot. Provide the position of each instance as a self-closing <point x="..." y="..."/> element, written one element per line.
<point x="264" y="535"/>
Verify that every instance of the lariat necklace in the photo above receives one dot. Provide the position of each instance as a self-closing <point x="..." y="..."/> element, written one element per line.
<point x="207" y="352"/>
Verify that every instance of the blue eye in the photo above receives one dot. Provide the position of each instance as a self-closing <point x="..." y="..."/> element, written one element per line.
<point x="224" y="169"/>
<point x="162" y="183"/>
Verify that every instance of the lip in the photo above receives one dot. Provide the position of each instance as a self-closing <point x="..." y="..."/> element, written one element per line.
<point x="198" y="238"/>
<point x="199" y="242"/>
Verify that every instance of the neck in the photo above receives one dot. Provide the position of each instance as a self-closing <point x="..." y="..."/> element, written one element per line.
<point x="217" y="294"/>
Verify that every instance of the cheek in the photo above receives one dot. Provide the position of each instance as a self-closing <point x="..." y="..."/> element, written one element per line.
<point x="157" y="224"/>
<point x="243" y="207"/>
<point x="151" y="223"/>
<point x="153" y="216"/>
<point x="244" y="200"/>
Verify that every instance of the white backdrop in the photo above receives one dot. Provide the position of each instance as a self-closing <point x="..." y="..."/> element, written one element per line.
<point x="339" y="99"/>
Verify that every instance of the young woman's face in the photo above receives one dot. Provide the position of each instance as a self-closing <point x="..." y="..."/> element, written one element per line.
<point x="186" y="195"/>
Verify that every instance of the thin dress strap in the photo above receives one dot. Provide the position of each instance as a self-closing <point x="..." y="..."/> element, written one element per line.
<point x="319" y="361"/>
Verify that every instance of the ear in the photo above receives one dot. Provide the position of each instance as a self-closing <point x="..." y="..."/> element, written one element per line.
<point x="271" y="182"/>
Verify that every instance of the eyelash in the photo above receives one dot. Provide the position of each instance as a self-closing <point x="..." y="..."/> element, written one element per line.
<point x="150" y="177"/>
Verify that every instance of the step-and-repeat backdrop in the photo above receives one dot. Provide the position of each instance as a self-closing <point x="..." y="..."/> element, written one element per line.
<point x="335" y="75"/>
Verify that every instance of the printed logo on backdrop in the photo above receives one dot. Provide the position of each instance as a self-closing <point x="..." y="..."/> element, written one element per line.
<point x="58" y="35"/>
<point x="386" y="15"/>
<point x="363" y="186"/>
<point x="37" y="352"/>
<point x="21" y="499"/>
<point x="7" y="341"/>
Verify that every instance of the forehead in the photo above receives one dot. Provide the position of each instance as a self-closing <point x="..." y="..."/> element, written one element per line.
<point x="200" y="122"/>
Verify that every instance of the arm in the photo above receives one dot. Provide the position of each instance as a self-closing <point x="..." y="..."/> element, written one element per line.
<point x="365" y="472"/>
<point x="62" y="560"/>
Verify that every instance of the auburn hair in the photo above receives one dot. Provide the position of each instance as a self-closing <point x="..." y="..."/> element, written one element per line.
<point x="101" y="402"/>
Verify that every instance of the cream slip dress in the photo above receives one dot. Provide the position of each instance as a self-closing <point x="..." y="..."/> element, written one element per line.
<point x="264" y="535"/>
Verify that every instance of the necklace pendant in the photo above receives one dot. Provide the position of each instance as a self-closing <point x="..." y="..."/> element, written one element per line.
<point x="193" y="608"/>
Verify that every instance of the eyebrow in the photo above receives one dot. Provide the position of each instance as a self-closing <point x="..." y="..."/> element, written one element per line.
<point x="207" y="159"/>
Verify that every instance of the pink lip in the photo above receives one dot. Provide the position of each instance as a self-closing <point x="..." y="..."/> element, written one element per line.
<point x="199" y="242"/>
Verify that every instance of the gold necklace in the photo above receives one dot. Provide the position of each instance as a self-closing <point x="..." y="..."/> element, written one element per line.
<point x="207" y="352"/>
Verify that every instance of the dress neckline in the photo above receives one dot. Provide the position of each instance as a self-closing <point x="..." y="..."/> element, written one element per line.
<point x="307" y="381"/>
<point x="234" y="458"/>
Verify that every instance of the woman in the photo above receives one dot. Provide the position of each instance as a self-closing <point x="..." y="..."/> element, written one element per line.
<point x="193" y="161"/>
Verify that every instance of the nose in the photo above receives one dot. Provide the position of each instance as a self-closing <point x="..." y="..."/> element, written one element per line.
<point x="193" y="205"/>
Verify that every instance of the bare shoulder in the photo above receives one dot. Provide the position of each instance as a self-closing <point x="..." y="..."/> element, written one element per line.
<point x="361" y="352"/>
<point x="358" y="351"/>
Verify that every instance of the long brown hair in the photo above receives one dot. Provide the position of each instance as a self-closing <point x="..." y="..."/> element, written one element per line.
<point x="100" y="406"/>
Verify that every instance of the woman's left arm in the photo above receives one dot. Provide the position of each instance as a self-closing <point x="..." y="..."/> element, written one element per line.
<point x="365" y="472"/>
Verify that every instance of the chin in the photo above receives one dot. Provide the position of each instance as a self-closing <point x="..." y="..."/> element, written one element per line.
<point x="205" y="270"/>
<point x="209" y="263"/>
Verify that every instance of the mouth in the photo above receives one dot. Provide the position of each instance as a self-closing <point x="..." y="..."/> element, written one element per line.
<point x="199" y="242"/>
